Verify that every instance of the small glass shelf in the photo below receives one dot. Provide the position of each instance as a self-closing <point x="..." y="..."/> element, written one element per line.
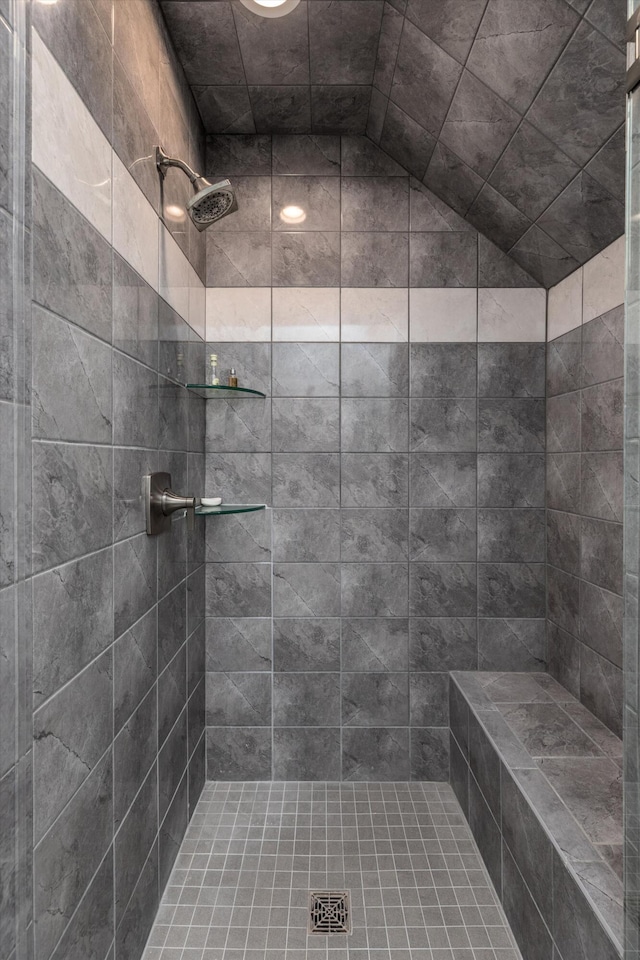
<point x="226" y="508"/>
<point x="222" y="392"/>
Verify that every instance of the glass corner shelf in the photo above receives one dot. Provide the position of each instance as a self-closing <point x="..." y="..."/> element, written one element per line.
<point x="220" y="391"/>
<point x="223" y="509"/>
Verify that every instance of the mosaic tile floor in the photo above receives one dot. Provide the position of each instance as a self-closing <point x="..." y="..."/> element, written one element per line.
<point x="254" y="851"/>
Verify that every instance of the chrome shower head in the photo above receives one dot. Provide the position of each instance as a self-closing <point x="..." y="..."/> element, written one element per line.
<point x="212" y="200"/>
<point x="211" y="203"/>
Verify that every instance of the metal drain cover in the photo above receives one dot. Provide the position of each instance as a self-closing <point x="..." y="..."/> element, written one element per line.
<point x="329" y="912"/>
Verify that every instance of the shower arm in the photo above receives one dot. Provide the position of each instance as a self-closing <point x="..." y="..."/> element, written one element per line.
<point x="163" y="161"/>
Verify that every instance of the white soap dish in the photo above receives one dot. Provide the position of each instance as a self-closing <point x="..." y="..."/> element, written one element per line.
<point x="211" y="501"/>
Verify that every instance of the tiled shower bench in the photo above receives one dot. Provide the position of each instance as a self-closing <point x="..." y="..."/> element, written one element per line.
<point x="540" y="782"/>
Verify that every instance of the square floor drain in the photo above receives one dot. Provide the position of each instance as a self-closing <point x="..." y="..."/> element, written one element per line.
<point x="329" y="912"/>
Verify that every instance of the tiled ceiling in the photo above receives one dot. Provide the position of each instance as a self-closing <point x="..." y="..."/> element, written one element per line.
<point x="511" y="111"/>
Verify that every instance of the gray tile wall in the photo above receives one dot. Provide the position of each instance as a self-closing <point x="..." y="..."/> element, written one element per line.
<point x="118" y="673"/>
<point x="405" y="535"/>
<point x="584" y="513"/>
<point x="16" y="820"/>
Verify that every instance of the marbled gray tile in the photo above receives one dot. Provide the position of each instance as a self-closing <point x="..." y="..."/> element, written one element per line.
<point x="443" y="480"/>
<point x="134" y="841"/>
<point x="563" y="109"/>
<point x="135" y="580"/>
<point x="511" y="426"/>
<point x="602" y="484"/>
<point x="443" y="426"/>
<point x="374" y="259"/>
<point x="522" y="913"/>
<point x="429" y="699"/>
<point x="484" y="762"/>
<point x="238" y="699"/>
<point x="494" y="216"/>
<point x="509" y="645"/>
<point x="71" y="620"/>
<point x="511" y="370"/>
<point x="511" y="590"/>
<point x="306" y="589"/>
<point x="72" y="493"/>
<point x="306" y="369"/>
<point x="374" y="479"/>
<point x="241" y="426"/>
<point x="271" y="52"/>
<point x="238" y="644"/>
<point x="306" y="259"/>
<point x="271" y="109"/>
<point x="71" y="382"/>
<point x="71" y="262"/>
<point x="172" y="624"/>
<point x="442" y="590"/>
<point x="459" y="775"/>
<point x="563" y="600"/>
<point x="405" y="139"/>
<point x="239" y="259"/>
<point x="375" y="203"/>
<point x="374" y="370"/>
<point x="305" y="699"/>
<point x="429" y="753"/>
<point x="443" y="260"/>
<point x="172" y="693"/>
<point x="511" y="480"/>
<point x="352" y="58"/>
<point x="134" y="388"/>
<point x="238" y="590"/>
<point x="172" y="831"/>
<point x="239" y="753"/>
<point x="374" y="425"/>
<point x="172" y="761"/>
<point x="601" y="553"/>
<point x="134" y="753"/>
<point x="563" y="541"/>
<point x="375" y="645"/>
<point x="305" y="154"/>
<point x="608" y="165"/>
<point x="307" y="644"/>
<point x="601" y="621"/>
<point x="603" y="348"/>
<point x="438" y="644"/>
<point x="91" y="929"/>
<point x="63" y="866"/>
<point x="375" y="699"/>
<point x="563" y="363"/>
<point x="339" y="108"/>
<point x="308" y="752"/>
<point x="238" y="156"/>
<point x="422" y="63"/>
<point x="443" y="370"/>
<point x="251" y="361"/>
<point x="134" y="667"/>
<point x="576" y="929"/>
<point x="306" y="480"/>
<point x="563" y="481"/>
<point x="245" y="536"/>
<point x="591" y="788"/>
<point x="452" y="25"/>
<point x="373" y="535"/>
<point x="67" y="744"/>
<point x="602" y="422"/>
<point x="375" y="754"/>
<point x="511" y="535"/>
<point x="596" y="218"/>
<point x="453" y="180"/>
<point x="486" y="832"/>
<point x="305" y="425"/>
<point x="239" y="477"/>
<point x="532" y="171"/>
<point x="442" y="534"/>
<point x="374" y="589"/>
<point x="601" y="689"/>
<point x="134" y="929"/>
<point x="305" y="535"/>
<point x="362" y="158"/>
<point x="542" y="257"/>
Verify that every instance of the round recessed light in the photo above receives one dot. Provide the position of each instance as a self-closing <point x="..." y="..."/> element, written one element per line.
<point x="270" y="8"/>
<point x="293" y="214"/>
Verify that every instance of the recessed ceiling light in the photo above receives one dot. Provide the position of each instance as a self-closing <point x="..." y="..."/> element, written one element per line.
<point x="293" y="214"/>
<point x="270" y="8"/>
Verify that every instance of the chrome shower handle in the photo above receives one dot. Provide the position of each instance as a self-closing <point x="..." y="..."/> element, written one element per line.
<point x="161" y="502"/>
<point x="170" y="502"/>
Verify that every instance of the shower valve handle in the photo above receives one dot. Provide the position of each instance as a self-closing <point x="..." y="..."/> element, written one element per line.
<point x="170" y="502"/>
<point x="161" y="502"/>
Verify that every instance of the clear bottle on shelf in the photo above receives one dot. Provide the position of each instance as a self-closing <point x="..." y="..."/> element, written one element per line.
<point x="213" y="380"/>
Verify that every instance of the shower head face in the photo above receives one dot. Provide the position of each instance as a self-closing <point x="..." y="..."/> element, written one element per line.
<point x="213" y="202"/>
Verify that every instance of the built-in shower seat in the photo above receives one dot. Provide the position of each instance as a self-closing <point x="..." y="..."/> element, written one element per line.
<point x="540" y="781"/>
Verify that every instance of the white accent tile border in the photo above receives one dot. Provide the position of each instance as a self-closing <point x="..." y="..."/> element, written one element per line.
<point x="604" y="281"/>
<point x="238" y="314"/>
<point x="565" y="306"/>
<point x="71" y="151"/>
<point x="374" y="315"/>
<point x="443" y="315"/>
<point x="512" y="315"/>
<point x="68" y="145"/>
<point x="306" y="313"/>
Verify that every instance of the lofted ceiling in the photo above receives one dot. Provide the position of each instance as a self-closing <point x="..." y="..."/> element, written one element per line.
<point x="512" y="111"/>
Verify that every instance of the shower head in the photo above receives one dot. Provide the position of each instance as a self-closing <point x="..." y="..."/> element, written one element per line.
<point x="212" y="200"/>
